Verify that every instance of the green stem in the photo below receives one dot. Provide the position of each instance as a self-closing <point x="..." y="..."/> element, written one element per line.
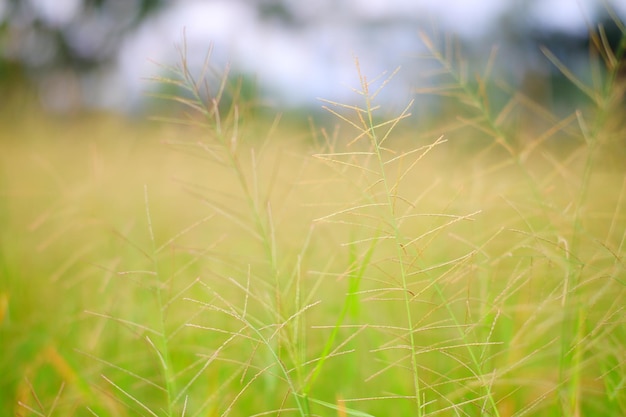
<point x="371" y="130"/>
<point x="162" y="350"/>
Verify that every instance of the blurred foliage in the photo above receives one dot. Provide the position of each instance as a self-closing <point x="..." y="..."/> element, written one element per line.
<point x="82" y="36"/>
<point x="47" y="43"/>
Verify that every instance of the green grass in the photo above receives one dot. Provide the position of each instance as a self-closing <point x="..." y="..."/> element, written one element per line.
<point x="230" y="265"/>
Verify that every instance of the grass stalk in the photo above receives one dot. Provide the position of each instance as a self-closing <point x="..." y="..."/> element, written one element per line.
<point x="162" y="350"/>
<point x="376" y="144"/>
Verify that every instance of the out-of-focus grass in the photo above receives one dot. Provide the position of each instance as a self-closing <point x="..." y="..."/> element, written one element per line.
<point x="234" y="266"/>
<point x="75" y="241"/>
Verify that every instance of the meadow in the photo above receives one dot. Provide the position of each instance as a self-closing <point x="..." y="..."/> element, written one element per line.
<point x="218" y="263"/>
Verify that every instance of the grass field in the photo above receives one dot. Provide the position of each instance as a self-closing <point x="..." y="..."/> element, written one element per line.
<point x="231" y="265"/>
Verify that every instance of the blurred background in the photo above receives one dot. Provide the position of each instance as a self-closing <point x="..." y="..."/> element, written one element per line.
<point x="77" y="55"/>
